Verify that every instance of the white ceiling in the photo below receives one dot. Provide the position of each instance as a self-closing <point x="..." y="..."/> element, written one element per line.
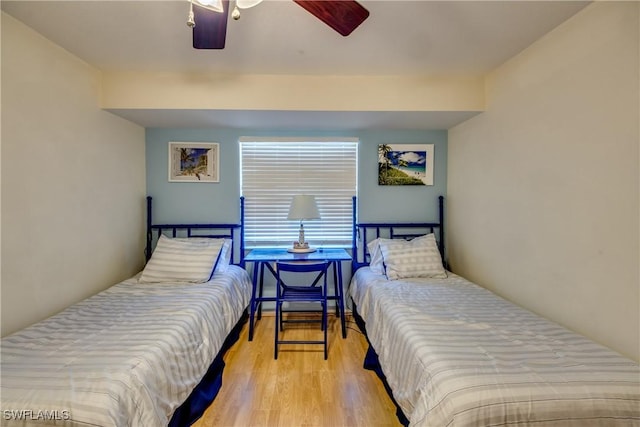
<point x="441" y="38"/>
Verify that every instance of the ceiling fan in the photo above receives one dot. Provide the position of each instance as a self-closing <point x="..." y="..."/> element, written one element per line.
<point x="208" y="18"/>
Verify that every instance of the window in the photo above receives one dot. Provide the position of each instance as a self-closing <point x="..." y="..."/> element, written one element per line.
<point x="273" y="170"/>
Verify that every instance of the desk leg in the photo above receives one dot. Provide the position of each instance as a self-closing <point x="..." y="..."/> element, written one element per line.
<point x="254" y="283"/>
<point x="341" y="299"/>
<point x="336" y="285"/>
<point x="260" y="289"/>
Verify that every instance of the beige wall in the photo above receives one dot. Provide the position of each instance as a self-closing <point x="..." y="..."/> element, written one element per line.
<point x="131" y="90"/>
<point x="543" y="187"/>
<point x="73" y="182"/>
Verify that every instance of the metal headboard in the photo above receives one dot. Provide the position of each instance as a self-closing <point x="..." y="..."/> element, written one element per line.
<point x="365" y="232"/>
<point x="235" y="232"/>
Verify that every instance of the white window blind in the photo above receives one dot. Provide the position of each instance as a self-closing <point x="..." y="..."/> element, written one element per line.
<point x="274" y="170"/>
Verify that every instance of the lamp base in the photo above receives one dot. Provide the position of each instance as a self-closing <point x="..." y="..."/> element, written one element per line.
<point x="301" y="247"/>
<point x="301" y="250"/>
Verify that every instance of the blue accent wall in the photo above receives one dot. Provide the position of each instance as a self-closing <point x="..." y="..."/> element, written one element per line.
<point x="218" y="202"/>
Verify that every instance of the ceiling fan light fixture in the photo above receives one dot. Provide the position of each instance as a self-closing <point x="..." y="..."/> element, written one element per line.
<point x="213" y="5"/>
<point x="235" y="14"/>
<point x="246" y="4"/>
<point x="191" y="18"/>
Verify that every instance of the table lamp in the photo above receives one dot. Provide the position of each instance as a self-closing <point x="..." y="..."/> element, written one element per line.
<point x="302" y="207"/>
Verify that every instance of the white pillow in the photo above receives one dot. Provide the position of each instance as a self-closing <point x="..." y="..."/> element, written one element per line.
<point x="225" y="256"/>
<point x="189" y="260"/>
<point x="376" y="262"/>
<point x="224" y="259"/>
<point x="419" y="257"/>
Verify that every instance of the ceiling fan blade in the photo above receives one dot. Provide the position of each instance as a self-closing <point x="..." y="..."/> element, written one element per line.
<point x="210" y="31"/>
<point x="344" y="16"/>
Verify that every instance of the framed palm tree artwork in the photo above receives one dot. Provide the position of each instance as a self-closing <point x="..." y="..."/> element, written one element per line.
<point x="405" y="164"/>
<point x="194" y="162"/>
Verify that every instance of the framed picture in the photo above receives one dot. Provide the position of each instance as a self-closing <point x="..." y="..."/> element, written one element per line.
<point x="405" y="164"/>
<point x="194" y="162"/>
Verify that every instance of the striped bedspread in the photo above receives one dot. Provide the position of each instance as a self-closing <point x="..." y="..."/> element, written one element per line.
<point x="128" y="356"/>
<point x="456" y="354"/>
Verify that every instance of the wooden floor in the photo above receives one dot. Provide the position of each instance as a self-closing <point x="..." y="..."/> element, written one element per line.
<point x="300" y="388"/>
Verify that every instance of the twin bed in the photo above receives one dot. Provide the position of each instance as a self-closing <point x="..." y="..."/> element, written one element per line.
<point x="454" y="354"/>
<point x="145" y="352"/>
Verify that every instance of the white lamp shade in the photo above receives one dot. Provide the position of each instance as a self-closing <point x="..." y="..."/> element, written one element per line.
<point x="214" y="5"/>
<point x="303" y="207"/>
<point x="246" y="4"/>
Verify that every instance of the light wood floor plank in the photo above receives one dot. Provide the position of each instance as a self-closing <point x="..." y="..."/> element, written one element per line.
<point x="300" y="388"/>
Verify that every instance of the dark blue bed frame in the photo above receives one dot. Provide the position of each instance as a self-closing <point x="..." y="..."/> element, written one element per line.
<point x="230" y="231"/>
<point x="363" y="233"/>
<point x="207" y="390"/>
